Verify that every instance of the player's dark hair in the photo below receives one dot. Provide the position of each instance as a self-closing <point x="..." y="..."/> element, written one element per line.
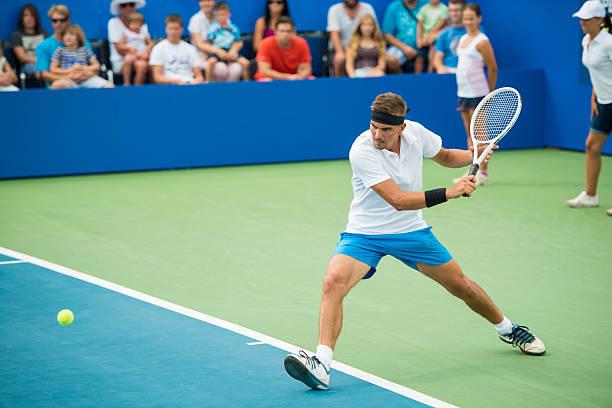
<point x="391" y="104"/>
<point x="285" y="20"/>
<point x="267" y="16"/>
<point x="474" y="7"/>
<point x="34" y="12"/>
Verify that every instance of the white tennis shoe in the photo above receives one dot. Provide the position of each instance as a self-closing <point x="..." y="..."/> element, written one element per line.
<point x="583" y="200"/>
<point x="521" y="337"/>
<point x="609" y="212"/>
<point x="482" y="179"/>
<point x="309" y="370"/>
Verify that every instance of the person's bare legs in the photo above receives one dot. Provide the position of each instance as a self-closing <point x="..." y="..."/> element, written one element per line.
<point x="451" y="277"/>
<point x="343" y="272"/>
<point x="594" y="144"/>
<point x="142" y="69"/>
<point x="126" y="69"/>
<point x="419" y="64"/>
<point x="211" y="66"/>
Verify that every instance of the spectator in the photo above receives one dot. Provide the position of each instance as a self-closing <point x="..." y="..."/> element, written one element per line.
<point x="121" y="57"/>
<point x="7" y="75"/>
<point x="60" y="18"/>
<point x="365" y="53"/>
<point x="67" y="59"/>
<point x="198" y="29"/>
<point x="226" y="43"/>
<point x="445" y="57"/>
<point x="137" y="43"/>
<point x="264" y="26"/>
<point x="173" y="60"/>
<point x="432" y="18"/>
<point x="400" y="30"/>
<point x="342" y="19"/>
<point x="28" y="35"/>
<point x="284" y="55"/>
<point x="474" y="51"/>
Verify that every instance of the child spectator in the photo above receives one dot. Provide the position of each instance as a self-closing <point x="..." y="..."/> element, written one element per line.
<point x="137" y="44"/>
<point x="66" y="60"/>
<point x="173" y="60"/>
<point x="432" y="18"/>
<point x="7" y="76"/>
<point x="225" y="39"/>
<point x="28" y="35"/>
<point x="365" y="53"/>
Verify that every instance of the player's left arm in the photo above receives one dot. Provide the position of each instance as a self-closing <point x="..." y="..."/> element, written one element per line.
<point x="454" y="158"/>
<point x="485" y="48"/>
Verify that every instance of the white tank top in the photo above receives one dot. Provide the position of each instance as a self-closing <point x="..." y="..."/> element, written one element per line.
<point x="471" y="79"/>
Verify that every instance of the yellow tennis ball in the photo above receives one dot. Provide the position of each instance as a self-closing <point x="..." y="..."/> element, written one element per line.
<point x="65" y="317"/>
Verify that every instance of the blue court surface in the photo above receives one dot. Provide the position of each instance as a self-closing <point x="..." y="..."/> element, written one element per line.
<point x="127" y="349"/>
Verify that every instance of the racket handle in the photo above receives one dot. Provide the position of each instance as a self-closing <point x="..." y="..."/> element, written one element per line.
<point x="472" y="172"/>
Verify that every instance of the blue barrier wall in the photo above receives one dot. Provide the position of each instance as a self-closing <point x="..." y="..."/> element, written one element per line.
<point x="165" y="126"/>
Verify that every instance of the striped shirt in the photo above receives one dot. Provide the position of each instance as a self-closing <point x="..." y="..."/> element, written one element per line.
<point x="67" y="58"/>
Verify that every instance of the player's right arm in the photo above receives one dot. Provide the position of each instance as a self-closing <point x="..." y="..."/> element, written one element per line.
<point x="415" y="200"/>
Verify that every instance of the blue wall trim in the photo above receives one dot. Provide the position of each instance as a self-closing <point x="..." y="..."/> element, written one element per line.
<point x="165" y="126"/>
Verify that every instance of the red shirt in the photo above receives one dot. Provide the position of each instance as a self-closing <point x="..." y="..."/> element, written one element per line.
<point x="285" y="60"/>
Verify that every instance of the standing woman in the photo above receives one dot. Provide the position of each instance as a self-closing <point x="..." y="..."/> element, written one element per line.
<point x="475" y="52"/>
<point x="264" y="26"/>
<point x="597" y="57"/>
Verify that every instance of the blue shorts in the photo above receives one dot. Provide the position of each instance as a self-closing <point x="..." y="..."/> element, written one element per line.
<point x="468" y="103"/>
<point x="411" y="247"/>
<point x="602" y="123"/>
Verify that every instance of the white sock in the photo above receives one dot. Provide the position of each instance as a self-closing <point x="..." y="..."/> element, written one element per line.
<point x="325" y="355"/>
<point x="504" y="327"/>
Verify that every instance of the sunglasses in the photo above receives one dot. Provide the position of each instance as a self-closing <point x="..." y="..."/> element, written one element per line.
<point x="276" y="1"/>
<point x="123" y="5"/>
<point x="59" y="20"/>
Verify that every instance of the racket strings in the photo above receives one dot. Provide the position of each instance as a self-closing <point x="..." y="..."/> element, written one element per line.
<point x="496" y="115"/>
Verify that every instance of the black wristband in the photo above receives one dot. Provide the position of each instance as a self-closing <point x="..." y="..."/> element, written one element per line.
<point x="435" y="197"/>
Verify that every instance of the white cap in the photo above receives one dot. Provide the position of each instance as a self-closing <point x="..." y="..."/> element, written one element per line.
<point x="115" y="5"/>
<point x="590" y="9"/>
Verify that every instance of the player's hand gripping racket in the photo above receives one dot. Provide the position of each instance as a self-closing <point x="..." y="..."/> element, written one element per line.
<point x="493" y="118"/>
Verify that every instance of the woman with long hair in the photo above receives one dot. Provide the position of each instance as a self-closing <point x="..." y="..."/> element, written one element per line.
<point x="597" y="57"/>
<point x="475" y="52"/>
<point x="28" y="35"/>
<point x="365" y="53"/>
<point x="264" y="26"/>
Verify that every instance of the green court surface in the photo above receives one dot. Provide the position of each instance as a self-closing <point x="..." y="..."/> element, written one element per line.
<point x="250" y="245"/>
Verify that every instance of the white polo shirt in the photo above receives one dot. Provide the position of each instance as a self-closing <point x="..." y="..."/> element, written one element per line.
<point x="597" y="57"/>
<point x="370" y="213"/>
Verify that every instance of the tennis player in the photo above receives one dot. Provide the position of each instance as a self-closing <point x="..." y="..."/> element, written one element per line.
<point x="597" y="57"/>
<point x="385" y="219"/>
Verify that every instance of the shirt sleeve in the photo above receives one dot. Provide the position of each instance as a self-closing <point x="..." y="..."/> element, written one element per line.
<point x="156" y="57"/>
<point x="421" y="14"/>
<point x="16" y="39"/>
<point x="431" y="142"/>
<point x="389" y="22"/>
<point x="194" y="58"/>
<point x="193" y="26"/>
<point x="370" y="10"/>
<point x="333" y="23"/>
<point x="91" y="56"/>
<point x="236" y="33"/>
<point x="442" y="42"/>
<point x="263" y="53"/>
<point x="88" y="45"/>
<point x="43" y="60"/>
<point x="56" y="55"/>
<point x="367" y="167"/>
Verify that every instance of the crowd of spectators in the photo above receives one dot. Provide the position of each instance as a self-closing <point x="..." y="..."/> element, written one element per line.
<point x="415" y="36"/>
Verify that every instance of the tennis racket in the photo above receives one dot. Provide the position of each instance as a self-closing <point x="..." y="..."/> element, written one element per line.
<point x="493" y="118"/>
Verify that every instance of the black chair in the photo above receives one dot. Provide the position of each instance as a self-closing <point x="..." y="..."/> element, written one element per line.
<point x="100" y="48"/>
<point x="317" y="42"/>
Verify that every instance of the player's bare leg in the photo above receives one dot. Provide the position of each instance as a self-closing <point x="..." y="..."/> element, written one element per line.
<point x="594" y="144"/>
<point x="451" y="277"/>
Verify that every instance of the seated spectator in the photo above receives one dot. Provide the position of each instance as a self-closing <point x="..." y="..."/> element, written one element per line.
<point x="264" y="26"/>
<point x="137" y="43"/>
<point x="123" y="61"/>
<point x="75" y="56"/>
<point x="365" y="53"/>
<point x="284" y="55"/>
<point x="400" y="29"/>
<point x="28" y="35"/>
<point x="342" y="19"/>
<point x="445" y="58"/>
<point x="173" y="60"/>
<point x="432" y="18"/>
<point x="60" y="18"/>
<point x="226" y="43"/>
<point x="7" y="75"/>
<point x="198" y="29"/>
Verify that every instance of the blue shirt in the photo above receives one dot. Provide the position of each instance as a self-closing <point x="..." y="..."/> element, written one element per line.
<point x="223" y="37"/>
<point x="447" y="43"/>
<point x="45" y="51"/>
<point x="399" y="23"/>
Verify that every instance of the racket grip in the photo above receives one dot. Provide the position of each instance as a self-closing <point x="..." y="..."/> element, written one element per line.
<point x="472" y="172"/>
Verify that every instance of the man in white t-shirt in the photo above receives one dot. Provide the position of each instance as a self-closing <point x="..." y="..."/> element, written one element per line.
<point x="385" y="219"/>
<point x="342" y="18"/>
<point x="173" y="60"/>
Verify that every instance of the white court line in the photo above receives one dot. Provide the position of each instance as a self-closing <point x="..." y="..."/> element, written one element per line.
<point x="11" y="262"/>
<point x="256" y="343"/>
<point x="381" y="382"/>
